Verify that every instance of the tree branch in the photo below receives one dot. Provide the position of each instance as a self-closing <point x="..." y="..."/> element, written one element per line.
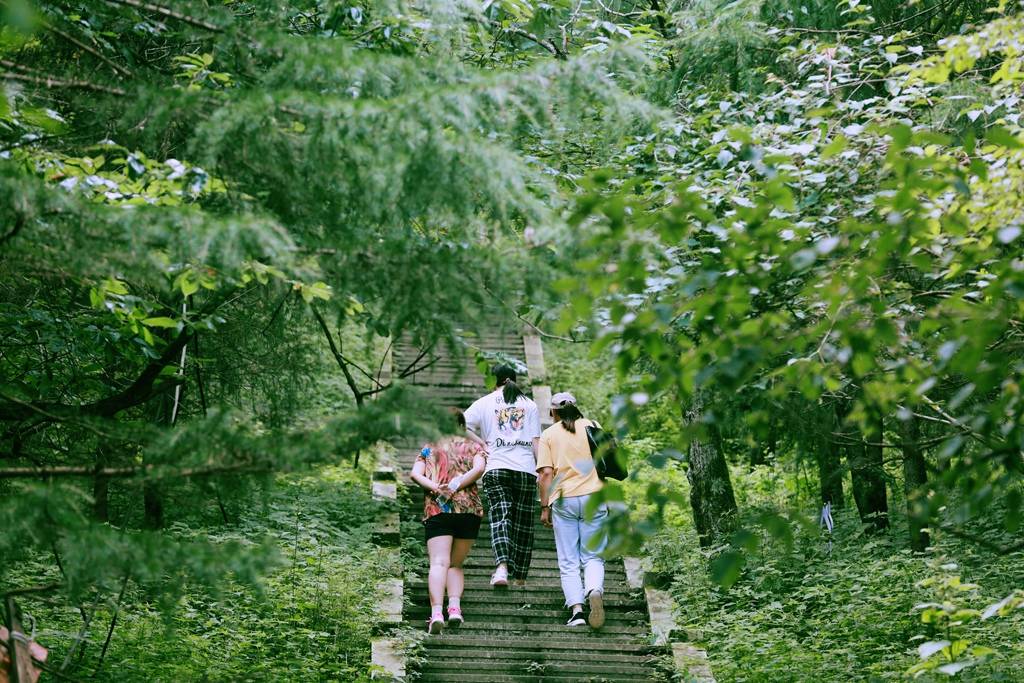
<point x="55" y="83"/>
<point x="340" y="359"/>
<point x="994" y="547"/>
<point x="169" y="13"/>
<point x="515" y="30"/>
<point x="543" y="42"/>
<point x="33" y="589"/>
<point x="121" y="472"/>
<point x="140" y="391"/>
<point x="539" y="331"/>
<point x="88" y="48"/>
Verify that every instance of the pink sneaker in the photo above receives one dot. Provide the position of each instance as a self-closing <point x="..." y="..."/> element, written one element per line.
<point x="435" y="625"/>
<point x="500" y="577"/>
<point x="455" y="619"/>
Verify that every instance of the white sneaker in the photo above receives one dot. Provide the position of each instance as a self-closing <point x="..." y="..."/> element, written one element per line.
<point x="596" y="609"/>
<point x="435" y="625"/>
<point x="576" y="619"/>
<point x="500" y="577"/>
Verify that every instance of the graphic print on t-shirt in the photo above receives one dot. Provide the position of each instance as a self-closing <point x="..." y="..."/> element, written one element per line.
<point x="511" y="418"/>
<point x="509" y="431"/>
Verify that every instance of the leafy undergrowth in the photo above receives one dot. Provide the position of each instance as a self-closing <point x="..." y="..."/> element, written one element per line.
<point x="310" y="617"/>
<point x="853" y="613"/>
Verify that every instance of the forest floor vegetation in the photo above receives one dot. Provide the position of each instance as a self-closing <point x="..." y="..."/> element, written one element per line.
<point x="310" y="618"/>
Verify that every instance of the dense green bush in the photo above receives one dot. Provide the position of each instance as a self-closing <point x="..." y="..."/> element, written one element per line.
<point x="309" y="619"/>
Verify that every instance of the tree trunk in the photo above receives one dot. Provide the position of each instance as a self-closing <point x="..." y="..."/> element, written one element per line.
<point x="829" y="456"/>
<point x="152" y="507"/>
<point x="915" y="479"/>
<point x="756" y="455"/>
<point x="711" y="495"/>
<point x="100" y="491"/>
<point x="152" y="502"/>
<point x="759" y="451"/>
<point x="867" y="473"/>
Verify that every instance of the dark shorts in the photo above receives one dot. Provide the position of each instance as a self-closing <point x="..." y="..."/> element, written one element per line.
<point x="456" y="524"/>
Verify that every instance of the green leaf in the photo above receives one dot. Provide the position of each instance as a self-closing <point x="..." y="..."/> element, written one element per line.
<point x="187" y="283"/>
<point x="926" y="650"/>
<point x="835" y="147"/>
<point x="998" y="135"/>
<point x="44" y="119"/>
<point x="160" y="321"/>
<point x="727" y="568"/>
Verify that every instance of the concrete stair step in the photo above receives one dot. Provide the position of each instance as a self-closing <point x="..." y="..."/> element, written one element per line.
<point x="577" y="640"/>
<point x="490" y="655"/>
<point x="593" y="667"/>
<point x="473" y="677"/>
<point x="547" y="599"/>
<point x="543" y="564"/>
<point x="537" y="566"/>
<point x="508" y="614"/>
<point x="534" y="584"/>
<point x="607" y="632"/>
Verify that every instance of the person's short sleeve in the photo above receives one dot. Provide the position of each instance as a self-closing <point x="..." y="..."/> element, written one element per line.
<point x="473" y="421"/>
<point x="533" y="422"/>
<point x="544" y="458"/>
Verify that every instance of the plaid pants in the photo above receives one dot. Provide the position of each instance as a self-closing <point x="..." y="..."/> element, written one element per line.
<point x="512" y="511"/>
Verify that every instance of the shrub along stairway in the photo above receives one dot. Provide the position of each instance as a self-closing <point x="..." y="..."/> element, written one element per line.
<point x="518" y="634"/>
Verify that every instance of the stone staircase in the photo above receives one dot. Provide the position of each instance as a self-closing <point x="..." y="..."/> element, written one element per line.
<point x="516" y="634"/>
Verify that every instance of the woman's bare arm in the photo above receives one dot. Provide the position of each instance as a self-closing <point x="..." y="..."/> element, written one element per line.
<point x="417" y="476"/>
<point x="544" y="478"/>
<point x="479" y="464"/>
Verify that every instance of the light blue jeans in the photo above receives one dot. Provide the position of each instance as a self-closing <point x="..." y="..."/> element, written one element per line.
<point x="579" y="542"/>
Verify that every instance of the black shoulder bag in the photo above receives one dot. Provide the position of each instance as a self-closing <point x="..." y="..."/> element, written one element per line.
<point x="605" y="452"/>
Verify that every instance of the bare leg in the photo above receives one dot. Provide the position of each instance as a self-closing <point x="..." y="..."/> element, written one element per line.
<point x="440" y="550"/>
<point x="456" y="578"/>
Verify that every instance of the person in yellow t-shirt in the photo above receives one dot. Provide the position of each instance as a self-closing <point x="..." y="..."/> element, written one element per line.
<point x="567" y="479"/>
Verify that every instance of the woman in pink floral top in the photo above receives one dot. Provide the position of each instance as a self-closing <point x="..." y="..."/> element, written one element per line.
<point x="448" y="470"/>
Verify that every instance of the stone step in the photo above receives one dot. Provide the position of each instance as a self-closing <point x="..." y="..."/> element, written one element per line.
<point x="474" y="677"/>
<point x="480" y="562"/>
<point x="549" y="600"/>
<point x="554" y="628"/>
<point x="615" y="586"/>
<point x="503" y="343"/>
<point x="485" y="563"/>
<point x="534" y="584"/>
<point x="483" y="553"/>
<point x="518" y="597"/>
<point x="537" y="583"/>
<point x="516" y="615"/>
<point x="509" y="340"/>
<point x="482" y="556"/>
<point x="575" y="640"/>
<point x="454" y="652"/>
<point x="581" y="670"/>
<point x="607" y="632"/>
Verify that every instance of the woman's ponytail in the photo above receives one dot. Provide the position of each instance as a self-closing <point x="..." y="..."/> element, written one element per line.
<point x="506" y="379"/>
<point x="568" y="415"/>
<point x="511" y="392"/>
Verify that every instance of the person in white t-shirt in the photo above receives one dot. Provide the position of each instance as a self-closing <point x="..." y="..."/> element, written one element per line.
<point x="510" y="424"/>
